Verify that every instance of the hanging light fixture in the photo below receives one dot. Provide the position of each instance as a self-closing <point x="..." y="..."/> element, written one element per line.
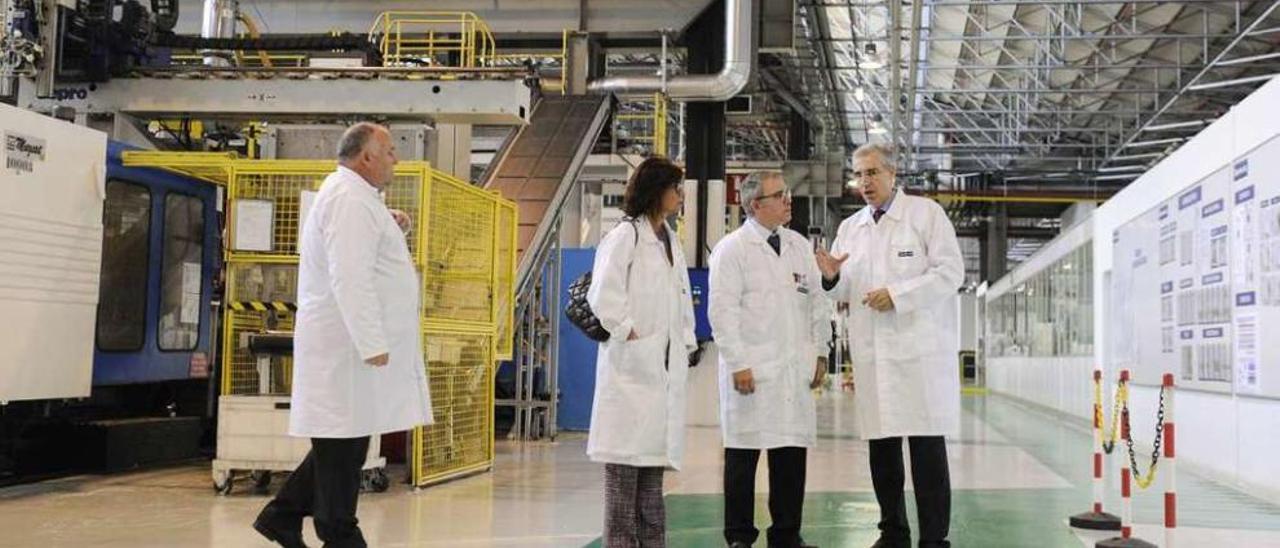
<point x="871" y="58"/>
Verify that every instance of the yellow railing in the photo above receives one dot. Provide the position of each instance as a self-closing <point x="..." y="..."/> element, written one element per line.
<point x="213" y="167"/>
<point x="561" y="57"/>
<point x="433" y="38"/>
<point x="647" y="124"/>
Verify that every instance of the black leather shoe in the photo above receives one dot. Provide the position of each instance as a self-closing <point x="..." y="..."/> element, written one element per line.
<point x="739" y="544"/>
<point x="278" y="533"/>
<point x="885" y="542"/>
<point x="801" y="545"/>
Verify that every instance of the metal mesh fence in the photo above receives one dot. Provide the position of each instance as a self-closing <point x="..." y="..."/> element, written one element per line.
<point x="458" y="281"/>
<point x="505" y="280"/>
<point x="460" y="372"/>
<point x="463" y="241"/>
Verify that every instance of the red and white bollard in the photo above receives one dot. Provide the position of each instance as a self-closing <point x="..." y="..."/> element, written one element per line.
<point x="1170" y="481"/>
<point x="1096" y="519"/>
<point x="1126" y="540"/>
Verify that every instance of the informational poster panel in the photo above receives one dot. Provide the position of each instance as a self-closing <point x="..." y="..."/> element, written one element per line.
<point x="1256" y="270"/>
<point x="1196" y="282"/>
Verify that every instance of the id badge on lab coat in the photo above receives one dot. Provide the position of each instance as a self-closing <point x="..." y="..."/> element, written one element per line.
<point x="802" y="287"/>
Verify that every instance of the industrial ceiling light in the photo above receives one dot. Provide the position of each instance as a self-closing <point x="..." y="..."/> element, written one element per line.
<point x="1139" y="156"/>
<point x="1232" y="82"/>
<point x="1250" y="59"/>
<point x="1114" y="169"/>
<point x="1157" y="142"/>
<point x="877" y="129"/>
<point x="871" y="59"/>
<point x="860" y="93"/>
<point x="1117" y="177"/>
<point x="1178" y="125"/>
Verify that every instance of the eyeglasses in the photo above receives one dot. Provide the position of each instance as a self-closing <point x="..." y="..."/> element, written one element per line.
<point x="784" y="194"/>
<point x="870" y="172"/>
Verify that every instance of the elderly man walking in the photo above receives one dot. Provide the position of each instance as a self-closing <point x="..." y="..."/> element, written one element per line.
<point x="358" y="366"/>
<point x="771" y="320"/>
<point x="897" y="264"/>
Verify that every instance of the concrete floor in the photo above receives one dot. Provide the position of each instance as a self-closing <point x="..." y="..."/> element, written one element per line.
<point x="1017" y="475"/>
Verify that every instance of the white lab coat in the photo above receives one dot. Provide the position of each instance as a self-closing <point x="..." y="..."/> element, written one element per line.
<point x="906" y="372"/>
<point x="637" y="416"/>
<point x="768" y="314"/>
<point x="357" y="298"/>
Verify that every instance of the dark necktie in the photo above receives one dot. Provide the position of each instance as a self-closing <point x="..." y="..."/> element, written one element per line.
<point x="877" y="214"/>
<point x="775" y="241"/>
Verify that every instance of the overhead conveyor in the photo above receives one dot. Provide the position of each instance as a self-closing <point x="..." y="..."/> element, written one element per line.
<point x="537" y="168"/>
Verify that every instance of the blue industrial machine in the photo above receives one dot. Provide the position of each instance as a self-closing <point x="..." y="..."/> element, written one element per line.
<point x="161" y="250"/>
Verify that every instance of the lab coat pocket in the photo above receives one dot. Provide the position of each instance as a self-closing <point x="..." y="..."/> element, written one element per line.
<point x="913" y="338"/>
<point x="907" y="261"/>
<point x="642" y="361"/>
<point x="741" y="411"/>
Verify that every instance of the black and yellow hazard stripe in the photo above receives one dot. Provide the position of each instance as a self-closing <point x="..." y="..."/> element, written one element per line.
<point x="263" y="306"/>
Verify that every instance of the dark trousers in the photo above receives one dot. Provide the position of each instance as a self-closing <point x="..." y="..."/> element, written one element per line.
<point x="634" y="512"/>
<point x="932" y="482"/>
<point x="325" y="486"/>
<point x="786" y="495"/>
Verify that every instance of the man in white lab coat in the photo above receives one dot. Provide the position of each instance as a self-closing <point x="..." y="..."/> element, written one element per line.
<point x="358" y="366"/>
<point x="898" y="265"/>
<point x="771" y="321"/>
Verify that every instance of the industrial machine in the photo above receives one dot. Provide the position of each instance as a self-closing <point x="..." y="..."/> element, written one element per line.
<point x="109" y="279"/>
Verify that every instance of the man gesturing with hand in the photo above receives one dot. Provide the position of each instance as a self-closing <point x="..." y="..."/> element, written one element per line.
<point x="898" y="265"/>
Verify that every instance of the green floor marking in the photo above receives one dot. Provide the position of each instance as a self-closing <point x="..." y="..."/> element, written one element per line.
<point x="990" y="518"/>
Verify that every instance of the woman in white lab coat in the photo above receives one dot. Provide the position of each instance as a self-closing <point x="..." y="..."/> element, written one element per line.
<point x="640" y="292"/>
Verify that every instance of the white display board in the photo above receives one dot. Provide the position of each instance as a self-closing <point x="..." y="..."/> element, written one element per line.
<point x="51" y="190"/>
<point x="1196" y="282"/>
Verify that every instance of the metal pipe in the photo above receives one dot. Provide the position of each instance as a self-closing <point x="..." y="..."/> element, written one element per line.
<point x="218" y="21"/>
<point x="717" y="87"/>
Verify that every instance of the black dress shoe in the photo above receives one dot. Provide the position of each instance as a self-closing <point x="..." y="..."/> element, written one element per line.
<point x="278" y="533"/>
<point x="739" y="544"/>
<point x="885" y="542"/>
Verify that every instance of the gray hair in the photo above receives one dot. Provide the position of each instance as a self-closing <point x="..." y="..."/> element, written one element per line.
<point x="355" y="139"/>
<point x="888" y="154"/>
<point x="749" y="188"/>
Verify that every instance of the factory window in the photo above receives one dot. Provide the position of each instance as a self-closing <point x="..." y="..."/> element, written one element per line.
<point x="180" y="274"/>
<point x="1049" y="313"/>
<point x="122" y="294"/>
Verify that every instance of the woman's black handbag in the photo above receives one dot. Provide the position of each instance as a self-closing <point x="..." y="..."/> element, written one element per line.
<point x="579" y="311"/>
